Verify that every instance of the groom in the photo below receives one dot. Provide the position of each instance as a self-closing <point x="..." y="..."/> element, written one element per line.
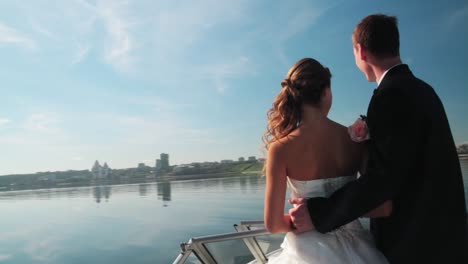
<point x="412" y="161"/>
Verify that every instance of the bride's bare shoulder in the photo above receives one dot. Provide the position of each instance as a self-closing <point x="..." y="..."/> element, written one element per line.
<point x="338" y="125"/>
<point x="282" y="142"/>
<point x="282" y="145"/>
<point x="343" y="134"/>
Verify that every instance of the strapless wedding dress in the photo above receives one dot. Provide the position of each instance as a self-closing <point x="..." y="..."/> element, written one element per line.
<point x="348" y="244"/>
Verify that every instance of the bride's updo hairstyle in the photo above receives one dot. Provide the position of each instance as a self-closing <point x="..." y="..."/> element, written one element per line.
<point x="304" y="85"/>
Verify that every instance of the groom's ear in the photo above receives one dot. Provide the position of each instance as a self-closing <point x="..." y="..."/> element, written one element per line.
<point x="361" y="52"/>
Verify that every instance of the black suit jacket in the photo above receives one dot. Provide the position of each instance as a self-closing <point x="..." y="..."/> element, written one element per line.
<point x="412" y="161"/>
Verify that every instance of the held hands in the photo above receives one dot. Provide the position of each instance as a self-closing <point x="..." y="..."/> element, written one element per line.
<point x="300" y="217"/>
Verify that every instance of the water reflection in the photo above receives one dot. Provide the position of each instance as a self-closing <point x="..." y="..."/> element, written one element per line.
<point x="229" y="184"/>
<point x="84" y="219"/>
<point x="164" y="192"/>
<point x="253" y="181"/>
<point x="102" y="191"/>
<point x="143" y="189"/>
<point x="243" y="184"/>
<point x="83" y="224"/>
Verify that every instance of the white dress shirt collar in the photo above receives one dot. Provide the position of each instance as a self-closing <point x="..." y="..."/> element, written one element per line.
<point x="383" y="75"/>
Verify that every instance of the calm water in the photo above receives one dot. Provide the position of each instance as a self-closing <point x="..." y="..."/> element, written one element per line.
<point x="142" y="223"/>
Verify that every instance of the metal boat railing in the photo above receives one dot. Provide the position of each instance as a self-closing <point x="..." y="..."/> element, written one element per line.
<point x="247" y="231"/>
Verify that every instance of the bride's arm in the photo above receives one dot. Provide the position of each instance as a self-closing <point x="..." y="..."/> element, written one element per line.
<point x="275" y="194"/>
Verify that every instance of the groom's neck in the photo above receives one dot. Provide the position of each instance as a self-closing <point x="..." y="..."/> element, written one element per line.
<point x="382" y="65"/>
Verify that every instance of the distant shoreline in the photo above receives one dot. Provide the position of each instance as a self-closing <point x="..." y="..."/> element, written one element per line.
<point x="141" y="174"/>
<point x="164" y="178"/>
<point x="207" y="176"/>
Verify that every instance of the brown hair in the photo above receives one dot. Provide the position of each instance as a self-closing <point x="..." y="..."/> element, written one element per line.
<point x="304" y="84"/>
<point x="379" y="34"/>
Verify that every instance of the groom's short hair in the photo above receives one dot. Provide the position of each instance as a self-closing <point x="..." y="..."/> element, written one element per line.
<point x="379" y="34"/>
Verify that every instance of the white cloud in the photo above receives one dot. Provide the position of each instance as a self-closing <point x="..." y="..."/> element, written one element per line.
<point x="42" y="30"/>
<point x="221" y="73"/>
<point x="44" y="249"/>
<point x="12" y="36"/>
<point x="121" y="42"/>
<point x="457" y="16"/>
<point x="157" y="104"/>
<point x="42" y="123"/>
<point x="37" y="131"/>
<point x="4" y="121"/>
<point x="5" y="257"/>
<point x="178" y="28"/>
<point x="64" y="26"/>
<point x="77" y="158"/>
<point x="298" y="21"/>
<point x="81" y="53"/>
<point x="142" y="130"/>
<point x="152" y="38"/>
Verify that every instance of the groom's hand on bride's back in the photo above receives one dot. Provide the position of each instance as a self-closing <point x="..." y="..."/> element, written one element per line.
<point x="300" y="218"/>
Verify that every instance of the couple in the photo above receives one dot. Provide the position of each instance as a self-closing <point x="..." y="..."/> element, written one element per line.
<point x="410" y="185"/>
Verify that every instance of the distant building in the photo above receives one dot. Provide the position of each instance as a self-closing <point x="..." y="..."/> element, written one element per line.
<point x="208" y="164"/>
<point x="99" y="171"/>
<point x="226" y="161"/>
<point x="164" y="161"/>
<point x="105" y="169"/>
<point x="141" y="165"/>
<point x="96" y="169"/>
<point x="48" y="178"/>
<point x="241" y="159"/>
<point x="181" y="168"/>
<point x="252" y="158"/>
<point x="162" y="164"/>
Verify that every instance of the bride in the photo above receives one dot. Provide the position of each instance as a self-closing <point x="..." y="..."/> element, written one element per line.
<point x="314" y="156"/>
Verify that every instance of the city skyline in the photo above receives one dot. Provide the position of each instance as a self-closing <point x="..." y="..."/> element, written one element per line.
<point x="86" y="80"/>
<point x="96" y="168"/>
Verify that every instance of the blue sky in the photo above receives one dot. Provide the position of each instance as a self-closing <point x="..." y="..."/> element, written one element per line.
<point x="122" y="81"/>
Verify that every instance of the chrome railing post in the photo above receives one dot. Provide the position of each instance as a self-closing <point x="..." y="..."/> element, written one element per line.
<point x="184" y="253"/>
<point x="252" y="245"/>
<point x="196" y="245"/>
<point x="202" y="253"/>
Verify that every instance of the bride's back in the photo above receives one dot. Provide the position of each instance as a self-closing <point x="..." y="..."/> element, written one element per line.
<point x="321" y="151"/>
<point x="312" y="145"/>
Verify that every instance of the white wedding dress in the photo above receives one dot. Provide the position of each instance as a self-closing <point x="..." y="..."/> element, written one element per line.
<point x="348" y="244"/>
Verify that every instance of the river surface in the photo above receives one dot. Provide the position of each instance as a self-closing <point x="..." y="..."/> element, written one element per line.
<point x="139" y="223"/>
